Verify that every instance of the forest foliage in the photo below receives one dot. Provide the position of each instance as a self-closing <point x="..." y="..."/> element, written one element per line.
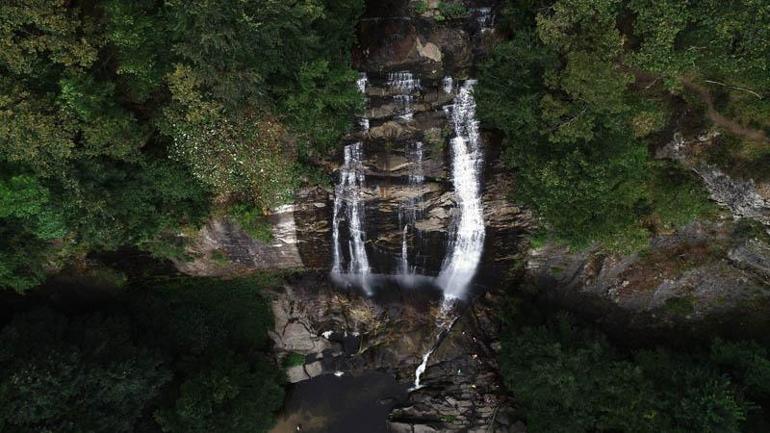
<point x="182" y="356"/>
<point x="121" y="122"/>
<point x="570" y="377"/>
<point x="584" y="91"/>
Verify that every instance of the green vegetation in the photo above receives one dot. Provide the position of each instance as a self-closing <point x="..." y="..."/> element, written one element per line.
<point x="294" y="360"/>
<point x="570" y="378"/>
<point x="122" y="122"/>
<point x="442" y="11"/>
<point x="676" y="197"/>
<point x="421" y="7"/>
<point x="252" y="221"/>
<point x="680" y="306"/>
<point x="452" y="10"/>
<point x="581" y="89"/>
<point x="185" y="356"/>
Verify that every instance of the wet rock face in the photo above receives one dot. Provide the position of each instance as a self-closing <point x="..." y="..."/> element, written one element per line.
<point x="393" y="37"/>
<point x="431" y="52"/>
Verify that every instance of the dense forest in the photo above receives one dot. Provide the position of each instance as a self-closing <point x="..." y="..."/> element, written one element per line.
<point x="585" y="91"/>
<point x="569" y="376"/>
<point x="126" y="126"/>
<point x="128" y="123"/>
<point x="181" y="356"/>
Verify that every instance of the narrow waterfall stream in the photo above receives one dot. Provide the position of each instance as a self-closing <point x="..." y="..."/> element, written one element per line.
<point x="404" y="84"/>
<point x="347" y="196"/>
<point x="484" y="17"/>
<point x="448" y="85"/>
<point x="411" y="208"/>
<point x="446" y="321"/>
<point x="361" y="83"/>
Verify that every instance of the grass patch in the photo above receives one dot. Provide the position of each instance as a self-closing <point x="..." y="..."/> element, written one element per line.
<point x="219" y="257"/>
<point x="452" y="11"/>
<point x="677" y="197"/>
<point x="421" y="7"/>
<point x="252" y="221"/>
<point x="293" y="359"/>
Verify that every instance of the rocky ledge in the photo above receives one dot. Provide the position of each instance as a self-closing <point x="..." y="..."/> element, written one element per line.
<point x="343" y="333"/>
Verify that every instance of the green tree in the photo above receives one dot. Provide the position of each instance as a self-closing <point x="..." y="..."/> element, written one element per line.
<point x="74" y="375"/>
<point x="572" y="380"/>
<point x="29" y="221"/>
<point x="228" y="396"/>
<point x="132" y="115"/>
<point x="746" y="361"/>
<point x="320" y="109"/>
<point x="577" y="125"/>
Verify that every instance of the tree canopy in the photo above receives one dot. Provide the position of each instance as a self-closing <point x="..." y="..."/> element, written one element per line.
<point x="581" y="90"/>
<point x="186" y="356"/>
<point x="122" y="122"/>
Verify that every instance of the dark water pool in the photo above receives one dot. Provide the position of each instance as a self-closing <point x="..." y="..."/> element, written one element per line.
<point x="346" y="404"/>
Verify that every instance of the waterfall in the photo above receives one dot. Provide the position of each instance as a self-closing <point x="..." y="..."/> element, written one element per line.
<point x="403" y="84"/>
<point x="446" y="318"/>
<point x="415" y="154"/>
<point x="347" y="196"/>
<point x="421" y="369"/>
<point x="467" y="232"/>
<point x="448" y="84"/>
<point x="404" y="268"/>
<point x="467" y="244"/>
<point x="362" y="83"/>
<point x="484" y="17"/>
<point x="410" y="209"/>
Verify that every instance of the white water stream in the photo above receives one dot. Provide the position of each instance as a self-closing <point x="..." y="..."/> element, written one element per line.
<point x="347" y="198"/>
<point x="403" y="84"/>
<point x="467" y="162"/>
<point x="484" y="18"/>
<point x="362" y="83"/>
<point x="448" y="84"/>
<point x="446" y="320"/>
<point x="421" y="369"/>
<point x="410" y="210"/>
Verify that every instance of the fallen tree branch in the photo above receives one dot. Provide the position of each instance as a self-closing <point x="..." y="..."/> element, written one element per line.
<point x="734" y="87"/>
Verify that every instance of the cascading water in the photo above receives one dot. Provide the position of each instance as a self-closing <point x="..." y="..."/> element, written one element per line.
<point x="448" y="84"/>
<point x="484" y="17"/>
<point x="347" y="202"/>
<point x="410" y="209"/>
<point x="347" y="198"/>
<point x="445" y="322"/>
<point x="404" y="85"/>
<point x="468" y="232"/>
<point x="466" y="247"/>
<point x="421" y="369"/>
<point x="362" y="83"/>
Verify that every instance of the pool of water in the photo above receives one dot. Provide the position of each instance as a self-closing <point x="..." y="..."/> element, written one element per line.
<point x="345" y="404"/>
